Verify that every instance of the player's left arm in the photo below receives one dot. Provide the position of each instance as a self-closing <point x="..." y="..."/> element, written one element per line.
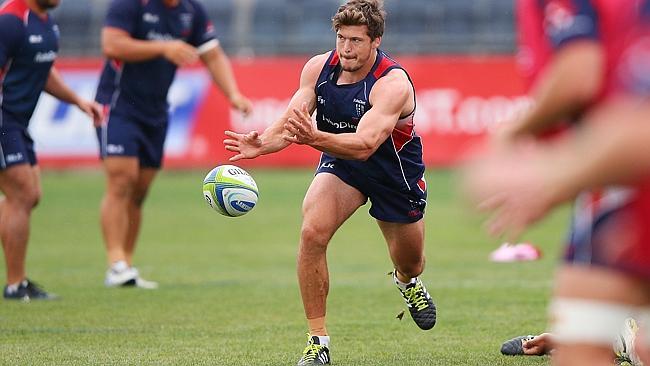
<point x="56" y="87"/>
<point x="218" y="64"/>
<point x="388" y="98"/>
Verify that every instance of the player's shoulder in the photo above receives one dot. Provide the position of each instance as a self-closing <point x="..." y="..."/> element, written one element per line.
<point x="316" y="63"/>
<point x="15" y="9"/>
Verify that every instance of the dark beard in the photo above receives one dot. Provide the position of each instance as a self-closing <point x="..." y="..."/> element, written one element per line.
<point x="46" y="4"/>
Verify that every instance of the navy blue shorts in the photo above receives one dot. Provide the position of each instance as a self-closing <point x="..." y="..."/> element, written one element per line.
<point x="16" y="147"/>
<point x="388" y="203"/>
<point x="125" y="136"/>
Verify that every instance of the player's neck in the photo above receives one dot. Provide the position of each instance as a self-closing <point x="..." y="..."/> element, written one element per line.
<point x="33" y="6"/>
<point x="171" y="3"/>
<point x="350" y="77"/>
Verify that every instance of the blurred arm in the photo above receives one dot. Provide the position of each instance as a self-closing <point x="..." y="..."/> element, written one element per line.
<point x="568" y="84"/>
<point x="119" y="45"/>
<point x="218" y="64"/>
<point x="56" y="87"/>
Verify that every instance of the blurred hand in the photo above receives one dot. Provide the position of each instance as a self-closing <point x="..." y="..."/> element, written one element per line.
<point x="301" y="129"/>
<point x="92" y="109"/>
<point x="247" y="146"/>
<point x="180" y="53"/>
<point x="514" y="186"/>
<point x="241" y="103"/>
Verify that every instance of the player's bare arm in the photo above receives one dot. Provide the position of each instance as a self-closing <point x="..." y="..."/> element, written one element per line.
<point x="217" y="63"/>
<point x="118" y="44"/>
<point x="56" y="87"/>
<point x="569" y="83"/>
<point x="391" y="97"/>
<point x="252" y="144"/>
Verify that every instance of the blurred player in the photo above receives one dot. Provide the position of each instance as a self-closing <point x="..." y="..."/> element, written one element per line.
<point x="145" y="42"/>
<point x="29" y="42"/>
<point x="364" y="127"/>
<point x="605" y="277"/>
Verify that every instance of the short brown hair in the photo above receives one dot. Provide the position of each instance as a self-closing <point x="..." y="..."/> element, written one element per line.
<point x="362" y="12"/>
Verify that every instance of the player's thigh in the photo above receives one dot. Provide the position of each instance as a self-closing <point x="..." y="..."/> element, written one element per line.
<point x="329" y="202"/>
<point x="121" y="171"/>
<point x="405" y="240"/>
<point x="601" y="284"/>
<point x="21" y="181"/>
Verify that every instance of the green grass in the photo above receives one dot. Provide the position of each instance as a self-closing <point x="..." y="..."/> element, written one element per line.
<point x="229" y="294"/>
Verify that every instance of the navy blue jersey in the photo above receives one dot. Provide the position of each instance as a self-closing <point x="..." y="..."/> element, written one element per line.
<point x="397" y="163"/>
<point x="139" y="89"/>
<point x="28" y="47"/>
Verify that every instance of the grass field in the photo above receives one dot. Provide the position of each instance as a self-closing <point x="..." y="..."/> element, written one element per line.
<point x="229" y="294"/>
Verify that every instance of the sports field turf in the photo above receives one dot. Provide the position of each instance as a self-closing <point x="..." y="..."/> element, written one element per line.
<point x="229" y="293"/>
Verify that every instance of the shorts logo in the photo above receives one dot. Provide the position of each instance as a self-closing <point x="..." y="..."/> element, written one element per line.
<point x="327" y="166"/>
<point x="114" y="149"/>
<point x="12" y="158"/>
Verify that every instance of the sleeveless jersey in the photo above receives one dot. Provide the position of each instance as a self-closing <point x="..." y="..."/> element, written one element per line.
<point x="397" y="163"/>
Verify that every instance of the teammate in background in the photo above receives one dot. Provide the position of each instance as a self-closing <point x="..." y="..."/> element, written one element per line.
<point x="605" y="276"/>
<point x="29" y="42"/>
<point x="364" y="128"/>
<point x="145" y="42"/>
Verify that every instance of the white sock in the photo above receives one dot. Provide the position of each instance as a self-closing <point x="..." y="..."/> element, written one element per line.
<point x="13" y="287"/>
<point x="401" y="284"/>
<point x="324" y="341"/>
<point x="119" y="266"/>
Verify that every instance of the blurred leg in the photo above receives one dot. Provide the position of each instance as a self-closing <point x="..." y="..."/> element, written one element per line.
<point x="121" y="180"/>
<point x="601" y="287"/>
<point x="22" y="191"/>
<point x="145" y="178"/>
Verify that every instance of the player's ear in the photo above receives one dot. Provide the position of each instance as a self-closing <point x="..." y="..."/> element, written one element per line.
<point x="376" y="42"/>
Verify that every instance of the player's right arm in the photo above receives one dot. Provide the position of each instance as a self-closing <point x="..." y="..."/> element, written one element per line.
<point x="252" y="144"/>
<point x="571" y="79"/>
<point x="117" y="42"/>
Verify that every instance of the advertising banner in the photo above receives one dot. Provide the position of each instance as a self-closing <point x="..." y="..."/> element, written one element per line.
<point x="459" y="100"/>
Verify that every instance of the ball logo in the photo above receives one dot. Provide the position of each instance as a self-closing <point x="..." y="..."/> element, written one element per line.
<point x="230" y="190"/>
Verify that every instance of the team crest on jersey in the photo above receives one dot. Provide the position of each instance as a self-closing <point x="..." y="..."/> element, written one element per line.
<point x="186" y="23"/>
<point x="360" y="107"/>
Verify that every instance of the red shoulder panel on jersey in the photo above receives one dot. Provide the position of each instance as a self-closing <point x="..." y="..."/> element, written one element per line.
<point x="335" y="58"/>
<point x="384" y="64"/>
<point x="18" y="8"/>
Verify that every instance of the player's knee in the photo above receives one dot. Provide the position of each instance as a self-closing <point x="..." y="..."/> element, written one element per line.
<point x="28" y="198"/>
<point x="313" y="238"/>
<point x="122" y="185"/>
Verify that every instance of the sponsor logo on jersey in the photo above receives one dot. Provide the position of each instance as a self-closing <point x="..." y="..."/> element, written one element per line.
<point x="35" y="38"/>
<point x="321" y="100"/>
<point x="150" y="18"/>
<point x="157" y="36"/>
<point x="340" y="125"/>
<point x="48" y="56"/>
<point x="327" y="166"/>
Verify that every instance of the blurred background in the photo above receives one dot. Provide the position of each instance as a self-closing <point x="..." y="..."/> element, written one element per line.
<point x="280" y="27"/>
<point x="459" y="54"/>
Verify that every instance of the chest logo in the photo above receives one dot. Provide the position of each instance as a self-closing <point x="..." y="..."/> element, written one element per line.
<point x="35" y="38"/>
<point x="150" y="18"/>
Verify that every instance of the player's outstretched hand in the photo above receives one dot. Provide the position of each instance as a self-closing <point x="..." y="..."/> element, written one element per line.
<point x="301" y="129"/>
<point x="516" y="187"/>
<point x="180" y="53"/>
<point x="92" y="109"/>
<point x="247" y="146"/>
<point x="241" y="103"/>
